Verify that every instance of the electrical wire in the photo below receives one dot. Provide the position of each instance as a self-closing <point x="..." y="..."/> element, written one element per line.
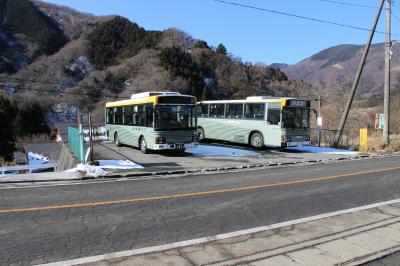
<point x="60" y="92"/>
<point x="296" y="16"/>
<point x="349" y="4"/>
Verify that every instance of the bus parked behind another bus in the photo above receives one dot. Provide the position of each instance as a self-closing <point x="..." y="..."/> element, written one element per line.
<point x="153" y="120"/>
<point x="258" y="121"/>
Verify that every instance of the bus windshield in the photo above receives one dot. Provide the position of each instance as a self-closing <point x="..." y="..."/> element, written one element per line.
<point x="175" y="117"/>
<point x="296" y="118"/>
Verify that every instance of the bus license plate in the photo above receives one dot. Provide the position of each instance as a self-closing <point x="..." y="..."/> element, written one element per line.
<point x="180" y="146"/>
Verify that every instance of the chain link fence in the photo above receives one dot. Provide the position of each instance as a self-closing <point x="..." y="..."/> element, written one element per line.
<point x="348" y="139"/>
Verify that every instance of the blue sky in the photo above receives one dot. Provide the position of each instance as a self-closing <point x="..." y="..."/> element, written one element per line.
<point x="252" y="35"/>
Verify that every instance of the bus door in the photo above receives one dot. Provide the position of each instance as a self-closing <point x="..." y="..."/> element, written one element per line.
<point x="274" y="123"/>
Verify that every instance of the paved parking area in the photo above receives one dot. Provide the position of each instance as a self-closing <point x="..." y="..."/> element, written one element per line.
<point x="207" y="156"/>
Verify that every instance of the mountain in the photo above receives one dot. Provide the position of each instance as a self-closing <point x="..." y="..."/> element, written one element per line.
<point x="25" y="34"/>
<point x="72" y="22"/>
<point x="336" y="67"/>
<point x="278" y="65"/>
<point x="107" y="58"/>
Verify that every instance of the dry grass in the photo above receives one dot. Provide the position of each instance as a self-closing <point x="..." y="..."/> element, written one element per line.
<point x="4" y="163"/>
<point x="375" y="144"/>
<point x="41" y="138"/>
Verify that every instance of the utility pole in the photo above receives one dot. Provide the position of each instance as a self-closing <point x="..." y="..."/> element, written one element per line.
<point x="90" y="140"/>
<point x="319" y="117"/>
<point x="357" y="78"/>
<point x="386" y="100"/>
<point x="81" y="145"/>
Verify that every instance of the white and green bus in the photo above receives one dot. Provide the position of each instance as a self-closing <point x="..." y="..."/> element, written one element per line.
<point x="258" y="121"/>
<point x="153" y="121"/>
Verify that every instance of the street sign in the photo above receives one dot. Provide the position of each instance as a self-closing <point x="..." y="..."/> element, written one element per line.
<point x="363" y="137"/>
<point x="319" y="123"/>
<point x="379" y="121"/>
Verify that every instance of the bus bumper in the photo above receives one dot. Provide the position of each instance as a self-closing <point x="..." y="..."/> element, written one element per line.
<point x="177" y="146"/>
<point x="298" y="143"/>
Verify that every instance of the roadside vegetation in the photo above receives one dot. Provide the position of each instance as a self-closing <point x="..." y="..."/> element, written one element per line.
<point x="19" y="120"/>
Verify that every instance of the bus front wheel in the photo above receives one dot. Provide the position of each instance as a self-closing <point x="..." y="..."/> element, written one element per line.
<point x="257" y="140"/>
<point x="143" y="145"/>
<point x="116" y="140"/>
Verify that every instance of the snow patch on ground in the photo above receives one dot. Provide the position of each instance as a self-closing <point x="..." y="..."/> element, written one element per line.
<point x="210" y="150"/>
<point x="36" y="159"/>
<point x="325" y="150"/>
<point x="118" y="164"/>
<point x="98" y="171"/>
<point x="88" y="170"/>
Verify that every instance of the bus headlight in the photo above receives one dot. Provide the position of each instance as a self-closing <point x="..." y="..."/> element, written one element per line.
<point x="195" y="138"/>
<point x="160" y="140"/>
<point x="307" y="138"/>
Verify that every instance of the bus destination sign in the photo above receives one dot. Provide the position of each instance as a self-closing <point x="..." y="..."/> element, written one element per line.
<point x="297" y="103"/>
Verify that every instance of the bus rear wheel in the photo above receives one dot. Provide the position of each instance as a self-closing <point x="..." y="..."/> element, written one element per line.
<point x="116" y="140"/>
<point x="143" y="145"/>
<point x="200" y="133"/>
<point x="256" y="140"/>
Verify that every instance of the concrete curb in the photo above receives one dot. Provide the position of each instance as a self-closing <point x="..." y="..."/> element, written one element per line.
<point x="41" y="177"/>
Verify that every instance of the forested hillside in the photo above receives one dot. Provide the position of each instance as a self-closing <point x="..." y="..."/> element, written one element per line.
<point x="98" y="59"/>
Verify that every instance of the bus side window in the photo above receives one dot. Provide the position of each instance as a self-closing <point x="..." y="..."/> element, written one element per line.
<point x="110" y="116"/>
<point x="128" y="115"/>
<point x="234" y="110"/>
<point x="274" y="116"/>
<point x="254" y="111"/>
<point x="140" y="116"/>
<point x="149" y="115"/>
<point x="203" y="110"/>
<point x="217" y="110"/>
<point x="118" y="115"/>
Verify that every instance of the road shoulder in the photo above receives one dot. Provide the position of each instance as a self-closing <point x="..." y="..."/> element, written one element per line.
<point x="351" y="237"/>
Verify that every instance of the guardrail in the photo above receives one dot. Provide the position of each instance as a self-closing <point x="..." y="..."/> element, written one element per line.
<point x="28" y="168"/>
<point x="76" y="142"/>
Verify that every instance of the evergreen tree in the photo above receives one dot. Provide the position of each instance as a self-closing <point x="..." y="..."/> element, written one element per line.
<point x="7" y="139"/>
<point x="31" y="120"/>
<point x="221" y="49"/>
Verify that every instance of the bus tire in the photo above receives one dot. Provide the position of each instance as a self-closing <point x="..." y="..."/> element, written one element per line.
<point x="143" y="145"/>
<point x="201" y="135"/>
<point x="116" y="140"/>
<point x="256" y="140"/>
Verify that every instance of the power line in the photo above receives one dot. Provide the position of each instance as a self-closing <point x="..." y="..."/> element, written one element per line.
<point x="72" y="93"/>
<point x="349" y="4"/>
<point x="61" y="92"/>
<point x="296" y="16"/>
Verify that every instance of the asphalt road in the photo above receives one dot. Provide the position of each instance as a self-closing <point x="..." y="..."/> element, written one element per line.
<point x="47" y="223"/>
<point x="390" y="260"/>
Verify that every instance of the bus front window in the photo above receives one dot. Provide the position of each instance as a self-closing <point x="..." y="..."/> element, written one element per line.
<point x="175" y="117"/>
<point x="295" y="118"/>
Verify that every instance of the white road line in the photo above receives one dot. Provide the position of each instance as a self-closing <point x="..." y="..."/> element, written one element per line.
<point x="203" y="240"/>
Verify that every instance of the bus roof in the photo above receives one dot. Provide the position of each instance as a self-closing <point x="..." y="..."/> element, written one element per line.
<point x="262" y="99"/>
<point x="145" y="97"/>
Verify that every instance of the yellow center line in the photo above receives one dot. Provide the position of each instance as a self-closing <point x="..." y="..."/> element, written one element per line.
<point x="191" y="194"/>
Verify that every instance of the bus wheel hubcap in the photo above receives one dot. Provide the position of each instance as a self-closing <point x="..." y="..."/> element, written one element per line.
<point x="143" y="145"/>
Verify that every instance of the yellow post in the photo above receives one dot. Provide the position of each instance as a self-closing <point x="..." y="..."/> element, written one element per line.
<point x="363" y="138"/>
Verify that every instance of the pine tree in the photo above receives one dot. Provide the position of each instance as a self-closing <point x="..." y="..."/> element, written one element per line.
<point x="7" y="139"/>
<point x="221" y="49"/>
<point x="31" y="120"/>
